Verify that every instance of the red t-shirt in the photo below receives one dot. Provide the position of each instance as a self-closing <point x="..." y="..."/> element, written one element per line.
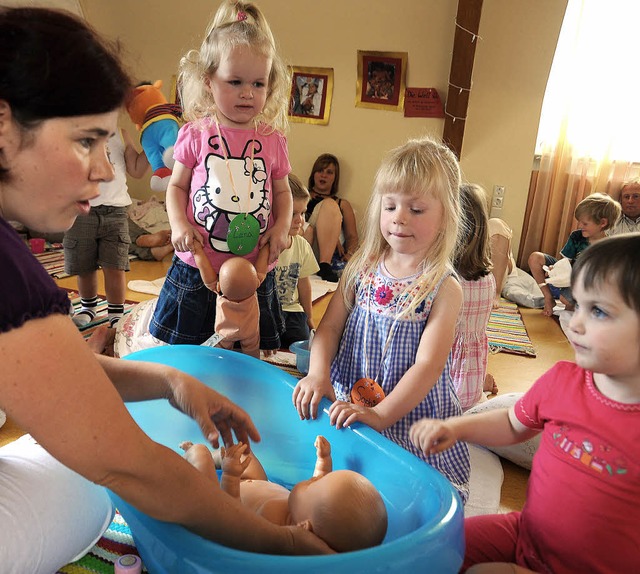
<point x="583" y="499"/>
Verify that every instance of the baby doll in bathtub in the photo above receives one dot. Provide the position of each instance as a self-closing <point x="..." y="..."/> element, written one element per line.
<point x="342" y="507"/>
<point x="237" y="309"/>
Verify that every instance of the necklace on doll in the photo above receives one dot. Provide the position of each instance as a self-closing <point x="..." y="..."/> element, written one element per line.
<point x="244" y="228"/>
<point x="367" y="391"/>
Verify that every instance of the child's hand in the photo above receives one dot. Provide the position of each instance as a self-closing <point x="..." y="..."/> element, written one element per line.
<point x="308" y="393"/>
<point x="432" y="436"/>
<point x="343" y="414"/>
<point x="183" y="237"/>
<point x="234" y="462"/>
<point x="278" y="239"/>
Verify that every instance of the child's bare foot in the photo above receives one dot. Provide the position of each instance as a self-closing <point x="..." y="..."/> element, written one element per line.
<point x="157" y="239"/>
<point x="549" y="304"/>
<point x="101" y="340"/>
<point x="490" y="384"/>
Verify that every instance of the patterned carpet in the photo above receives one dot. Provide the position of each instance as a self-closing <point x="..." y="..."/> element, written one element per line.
<point x="506" y="331"/>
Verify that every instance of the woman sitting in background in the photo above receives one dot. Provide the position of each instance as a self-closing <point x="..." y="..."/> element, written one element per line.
<point x="329" y="219"/>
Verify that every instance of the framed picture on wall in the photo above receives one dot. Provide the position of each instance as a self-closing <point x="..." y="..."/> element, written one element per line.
<point x="381" y="80"/>
<point x="311" y="93"/>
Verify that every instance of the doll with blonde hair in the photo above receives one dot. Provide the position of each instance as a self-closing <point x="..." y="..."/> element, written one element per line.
<point x="229" y="190"/>
<point x="382" y="350"/>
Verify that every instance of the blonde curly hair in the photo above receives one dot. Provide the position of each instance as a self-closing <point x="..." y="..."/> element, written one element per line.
<point x="234" y="24"/>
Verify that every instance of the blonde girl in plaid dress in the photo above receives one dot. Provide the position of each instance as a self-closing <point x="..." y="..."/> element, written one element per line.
<point x="390" y="326"/>
<point x="470" y="353"/>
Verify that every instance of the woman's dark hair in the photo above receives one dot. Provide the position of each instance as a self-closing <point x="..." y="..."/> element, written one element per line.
<point x="52" y="64"/>
<point x="615" y="261"/>
<point x="321" y="162"/>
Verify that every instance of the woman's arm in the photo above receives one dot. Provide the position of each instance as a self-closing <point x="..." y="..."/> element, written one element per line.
<point x="433" y="351"/>
<point x="54" y="388"/>
<point x="278" y="234"/>
<point x="305" y="297"/>
<point x="350" y="229"/>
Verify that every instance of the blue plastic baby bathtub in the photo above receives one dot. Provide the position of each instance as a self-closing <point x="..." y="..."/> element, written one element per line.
<point x="425" y="514"/>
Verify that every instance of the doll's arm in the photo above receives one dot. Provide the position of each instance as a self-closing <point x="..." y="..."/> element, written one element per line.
<point x="262" y="263"/>
<point x="324" y="464"/>
<point x="207" y="272"/>
<point x="233" y="465"/>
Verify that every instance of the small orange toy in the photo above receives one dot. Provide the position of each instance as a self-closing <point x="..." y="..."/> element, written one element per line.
<point x="366" y="392"/>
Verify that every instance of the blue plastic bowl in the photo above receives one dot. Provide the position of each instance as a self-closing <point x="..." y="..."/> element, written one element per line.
<point x="425" y="514"/>
<point x="302" y="353"/>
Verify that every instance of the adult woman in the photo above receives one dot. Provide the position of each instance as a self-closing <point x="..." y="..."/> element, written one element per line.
<point x="60" y="91"/>
<point x="329" y="219"/>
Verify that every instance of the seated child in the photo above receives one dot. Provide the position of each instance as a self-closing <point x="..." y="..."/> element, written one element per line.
<point x="595" y="214"/>
<point x="295" y="265"/>
<point x="342" y="507"/>
<point x="149" y="246"/>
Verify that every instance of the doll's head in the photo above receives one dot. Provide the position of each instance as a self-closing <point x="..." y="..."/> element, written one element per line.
<point x="237" y="279"/>
<point x="343" y="508"/>
<point x="143" y="97"/>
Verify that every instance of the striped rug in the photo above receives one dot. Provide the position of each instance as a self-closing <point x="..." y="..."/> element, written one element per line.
<point x="506" y="331"/>
<point x="53" y="262"/>
<point x="115" y="542"/>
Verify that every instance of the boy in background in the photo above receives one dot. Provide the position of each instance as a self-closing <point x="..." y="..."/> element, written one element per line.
<point x="101" y="238"/>
<point x="295" y="266"/>
<point x="596" y="214"/>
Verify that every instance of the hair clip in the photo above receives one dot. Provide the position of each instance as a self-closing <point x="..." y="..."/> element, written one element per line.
<point x="242" y="16"/>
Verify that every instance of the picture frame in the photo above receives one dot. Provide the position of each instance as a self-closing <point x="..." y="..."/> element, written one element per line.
<point x="314" y="107"/>
<point x="381" y="80"/>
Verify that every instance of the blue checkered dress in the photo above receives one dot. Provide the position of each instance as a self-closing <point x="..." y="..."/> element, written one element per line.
<point x="363" y="341"/>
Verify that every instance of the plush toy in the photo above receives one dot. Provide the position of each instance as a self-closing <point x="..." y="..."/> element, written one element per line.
<point x="158" y="123"/>
<point x="237" y="310"/>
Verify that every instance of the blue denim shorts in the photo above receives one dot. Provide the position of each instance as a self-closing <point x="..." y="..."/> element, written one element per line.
<point x="186" y="309"/>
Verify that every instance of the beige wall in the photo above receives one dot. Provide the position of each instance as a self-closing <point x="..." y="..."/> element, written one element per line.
<point x="511" y="69"/>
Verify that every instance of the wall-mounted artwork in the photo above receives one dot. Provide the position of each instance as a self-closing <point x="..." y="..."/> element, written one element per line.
<point x="311" y="92"/>
<point x="381" y="80"/>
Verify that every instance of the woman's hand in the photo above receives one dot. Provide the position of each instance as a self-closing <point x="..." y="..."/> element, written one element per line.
<point x="432" y="436"/>
<point x="308" y="394"/>
<point x="216" y="415"/>
<point x="305" y="542"/>
<point x="343" y="414"/>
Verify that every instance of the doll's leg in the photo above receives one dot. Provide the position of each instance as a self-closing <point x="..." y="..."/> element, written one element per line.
<point x="201" y="457"/>
<point x="324" y="463"/>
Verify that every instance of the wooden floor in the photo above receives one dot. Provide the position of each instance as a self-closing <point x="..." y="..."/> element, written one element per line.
<point x="513" y="373"/>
